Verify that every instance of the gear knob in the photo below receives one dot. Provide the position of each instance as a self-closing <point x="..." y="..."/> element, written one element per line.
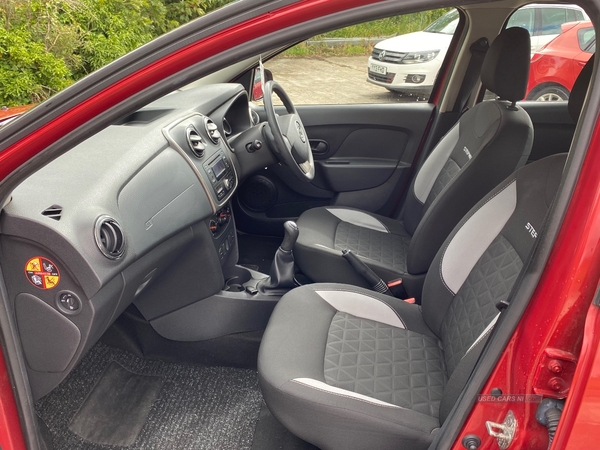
<point x="291" y="235"/>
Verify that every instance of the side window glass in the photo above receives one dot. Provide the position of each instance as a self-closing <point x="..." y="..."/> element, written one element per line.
<point x="523" y="18"/>
<point x="552" y="19"/>
<point x="392" y="60"/>
<point x="559" y="55"/>
<point x="587" y="39"/>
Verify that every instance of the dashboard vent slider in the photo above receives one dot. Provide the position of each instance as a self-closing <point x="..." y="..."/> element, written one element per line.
<point x="212" y="130"/>
<point x="195" y="142"/>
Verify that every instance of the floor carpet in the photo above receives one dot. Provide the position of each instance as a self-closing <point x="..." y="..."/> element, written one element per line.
<point x="192" y="407"/>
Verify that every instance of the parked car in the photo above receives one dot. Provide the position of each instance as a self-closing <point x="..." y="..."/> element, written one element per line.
<point x="543" y="21"/>
<point x="409" y="63"/>
<point x="9" y="114"/>
<point x="133" y="306"/>
<point x="555" y="67"/>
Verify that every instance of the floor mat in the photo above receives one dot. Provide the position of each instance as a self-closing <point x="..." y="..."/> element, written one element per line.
<point x="195" y="407"/>
<point x="117" y="408"/>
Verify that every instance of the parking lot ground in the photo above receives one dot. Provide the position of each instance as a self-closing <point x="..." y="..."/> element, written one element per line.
<point x="330" y="81"/>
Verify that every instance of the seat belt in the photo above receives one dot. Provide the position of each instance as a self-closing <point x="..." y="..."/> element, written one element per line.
<point x="478" y="50"/>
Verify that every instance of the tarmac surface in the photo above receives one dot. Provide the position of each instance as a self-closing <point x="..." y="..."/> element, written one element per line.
<point x="330" y="81"/>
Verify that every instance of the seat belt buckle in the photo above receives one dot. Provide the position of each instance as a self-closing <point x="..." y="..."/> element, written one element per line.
<point x="411" y="300"/>
<point x="397" y="288"/>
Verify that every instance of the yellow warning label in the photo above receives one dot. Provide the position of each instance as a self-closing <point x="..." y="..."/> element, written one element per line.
<point x="33" y="265"/>
<point x="50" y="281"/>
<point x="42" y="273"/>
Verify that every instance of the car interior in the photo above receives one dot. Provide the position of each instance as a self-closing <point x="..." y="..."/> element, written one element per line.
<point x="215" y="270"/>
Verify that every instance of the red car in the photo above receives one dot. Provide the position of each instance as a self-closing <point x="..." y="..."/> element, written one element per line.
<point x="556" y="66"/>
<point x="9" y="114"/>
<point x="133" y="305"/>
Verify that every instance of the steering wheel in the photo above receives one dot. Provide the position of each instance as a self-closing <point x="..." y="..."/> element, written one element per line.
<point x="289" y="136"/>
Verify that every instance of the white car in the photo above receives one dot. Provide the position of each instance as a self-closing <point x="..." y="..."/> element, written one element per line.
<point x="410" y="62"/>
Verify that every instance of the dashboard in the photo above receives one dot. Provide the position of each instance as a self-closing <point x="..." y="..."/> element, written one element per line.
<point x="144" y="202"/>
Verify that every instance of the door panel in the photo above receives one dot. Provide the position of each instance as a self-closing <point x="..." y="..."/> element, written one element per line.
<point x="363" y="156"/>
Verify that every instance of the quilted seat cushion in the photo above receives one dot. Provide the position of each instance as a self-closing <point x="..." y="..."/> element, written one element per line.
<point x="338" y="355"/>
<point x="395" y="365"/>
<point x="382" y="244"/>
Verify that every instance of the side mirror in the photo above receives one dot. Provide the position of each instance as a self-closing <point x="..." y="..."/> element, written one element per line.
<point x="257" y="84"/>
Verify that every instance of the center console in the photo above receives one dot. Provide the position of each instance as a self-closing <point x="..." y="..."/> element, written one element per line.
<point x="197" y="138"/>
<point x="220" y="173"/>
<point x="246" y="298"/>
<point x="222" y="229"/>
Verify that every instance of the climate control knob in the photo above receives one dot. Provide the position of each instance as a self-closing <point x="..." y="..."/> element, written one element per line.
<point x="227" y="183"/>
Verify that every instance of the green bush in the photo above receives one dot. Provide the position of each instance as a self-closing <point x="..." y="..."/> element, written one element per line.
<point x="382" y="28"/>
<point x="48" y="44"/>
<point x="28" y="73"/>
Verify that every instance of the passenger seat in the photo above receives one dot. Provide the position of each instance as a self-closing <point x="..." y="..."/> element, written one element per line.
<point x="487" y="144"/>
<point x="347" y="368"/>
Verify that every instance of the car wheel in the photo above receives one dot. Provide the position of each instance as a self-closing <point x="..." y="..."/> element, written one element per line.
<point x="549" y="94"/>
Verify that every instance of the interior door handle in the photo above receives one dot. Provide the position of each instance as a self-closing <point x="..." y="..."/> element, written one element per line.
<point x="318" y="146"/>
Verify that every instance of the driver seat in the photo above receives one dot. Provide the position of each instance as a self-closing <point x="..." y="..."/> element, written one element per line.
<point x="488" y="143"/>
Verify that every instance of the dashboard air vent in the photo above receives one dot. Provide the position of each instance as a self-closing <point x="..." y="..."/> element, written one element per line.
<point x="212" y="130"/>
<point x="195" y="142"/>
<point x="54" y="212"/>
<point x="109" y="237"/>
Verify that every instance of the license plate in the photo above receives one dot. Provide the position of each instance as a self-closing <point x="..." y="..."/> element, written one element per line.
<point x="378" y="69"/>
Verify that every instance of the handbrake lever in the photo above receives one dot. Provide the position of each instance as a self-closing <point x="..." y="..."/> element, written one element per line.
<point x="377" y="284"/>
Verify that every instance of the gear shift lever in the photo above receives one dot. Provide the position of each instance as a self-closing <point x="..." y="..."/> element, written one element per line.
<point x="281" y="275"/>
<point x="291" y="236"/>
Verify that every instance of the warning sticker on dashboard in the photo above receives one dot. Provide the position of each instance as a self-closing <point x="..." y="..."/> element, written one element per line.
<point x="42" y="273"/>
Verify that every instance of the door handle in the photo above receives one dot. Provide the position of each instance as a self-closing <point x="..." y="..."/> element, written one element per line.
<point x="318" y="146"/>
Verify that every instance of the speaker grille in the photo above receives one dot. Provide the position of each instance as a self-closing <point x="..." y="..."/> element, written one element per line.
<point x="258" y="194"/>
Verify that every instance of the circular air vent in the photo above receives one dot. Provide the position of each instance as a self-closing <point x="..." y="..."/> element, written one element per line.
<point x="212" y="130"/>
<point x="195" y="142"/>
<point x="109" y="237"/>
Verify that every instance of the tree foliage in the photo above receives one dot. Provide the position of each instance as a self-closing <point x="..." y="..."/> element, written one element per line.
<point x="45" y="45"/>
<point x="28" y="73"/>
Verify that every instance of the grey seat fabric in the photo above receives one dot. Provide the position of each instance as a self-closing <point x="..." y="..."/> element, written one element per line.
<point x="487" y="144"/>
<point x="347" y="368"/>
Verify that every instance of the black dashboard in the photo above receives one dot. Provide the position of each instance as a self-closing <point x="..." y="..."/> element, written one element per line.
<point x="142" y="203"/>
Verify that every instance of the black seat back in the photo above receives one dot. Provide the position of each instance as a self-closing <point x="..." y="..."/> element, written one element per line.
<point x="488" y="143"/>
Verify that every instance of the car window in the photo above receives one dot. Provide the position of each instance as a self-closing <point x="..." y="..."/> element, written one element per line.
<point x="392" y="60"/>
<point x="523" y="18"/>
<point x="587" y="39"/>
<point x="446" y="24"/>
<point x="555" y="59"/>
<point x="552" y="19"/>
<point x="574" y="15"/>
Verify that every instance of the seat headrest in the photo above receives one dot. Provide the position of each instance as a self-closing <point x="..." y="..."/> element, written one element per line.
<point x="505" y="69"/>
<point x="579" y="90"/>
